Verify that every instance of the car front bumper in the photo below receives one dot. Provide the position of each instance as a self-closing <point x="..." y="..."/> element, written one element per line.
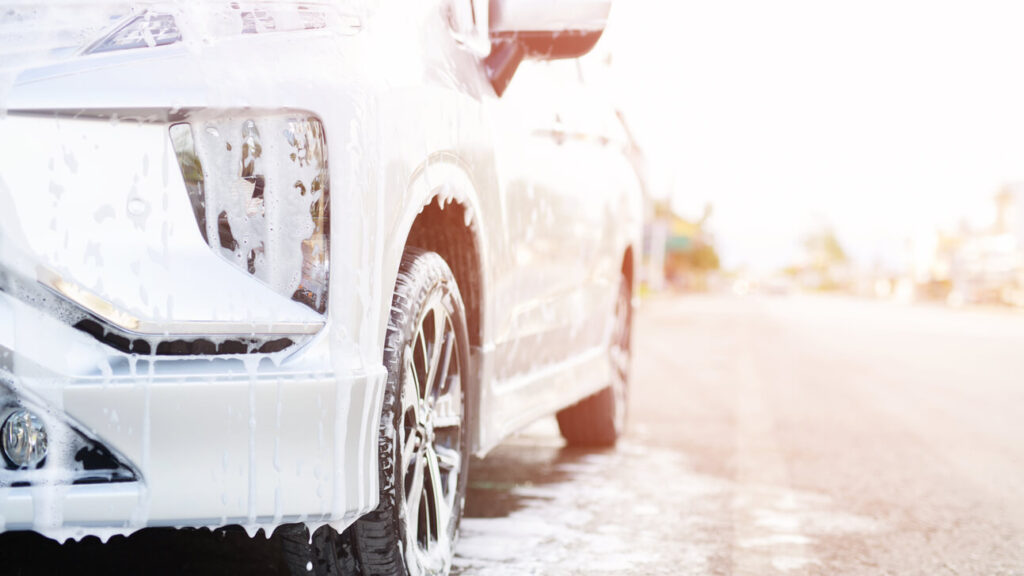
<point x="257" y="441"/>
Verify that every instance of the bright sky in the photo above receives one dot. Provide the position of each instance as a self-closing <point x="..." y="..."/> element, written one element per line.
<point x="882" y="118"/>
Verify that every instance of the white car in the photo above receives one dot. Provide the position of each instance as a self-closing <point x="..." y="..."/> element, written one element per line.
<point x="288" y="265"/>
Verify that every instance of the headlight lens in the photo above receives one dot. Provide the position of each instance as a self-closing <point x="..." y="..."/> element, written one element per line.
<point x="260" y="192"/>
<point x="146" y="30"/>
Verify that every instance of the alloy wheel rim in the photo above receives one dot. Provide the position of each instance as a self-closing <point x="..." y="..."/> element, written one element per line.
<point x="431" y="436"/>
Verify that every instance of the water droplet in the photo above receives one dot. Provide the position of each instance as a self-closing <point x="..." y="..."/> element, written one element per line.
<point x="137" y="206"/>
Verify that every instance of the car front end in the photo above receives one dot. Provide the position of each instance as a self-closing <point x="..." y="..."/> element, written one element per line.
<point x="175" y="348"/>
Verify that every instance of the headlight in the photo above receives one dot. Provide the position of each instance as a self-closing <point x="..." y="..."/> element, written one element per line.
<point x="261" y="196"/>
<point x="146" y="30"/>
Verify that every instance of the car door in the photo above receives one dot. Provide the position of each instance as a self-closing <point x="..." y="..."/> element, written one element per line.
<point x="603" y="188"/>
<point x="594" y="179"/>
<point x="554" y="223"/>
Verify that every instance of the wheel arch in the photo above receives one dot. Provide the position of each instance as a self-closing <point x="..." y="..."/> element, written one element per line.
<point x="442" y="214"/>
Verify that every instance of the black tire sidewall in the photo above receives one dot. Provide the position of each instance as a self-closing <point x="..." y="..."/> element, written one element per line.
<point x="421" y="276"/>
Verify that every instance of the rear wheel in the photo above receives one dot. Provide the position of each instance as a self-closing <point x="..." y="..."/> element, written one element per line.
<point x="424" y="442"/>
<point x="600" y="419"/>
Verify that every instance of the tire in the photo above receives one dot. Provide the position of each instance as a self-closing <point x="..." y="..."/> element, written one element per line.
<point x="600" y="419"/>
<point x="423" y="442"/>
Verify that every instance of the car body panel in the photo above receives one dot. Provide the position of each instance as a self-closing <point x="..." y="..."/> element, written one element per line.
<point x="291" y="435"/>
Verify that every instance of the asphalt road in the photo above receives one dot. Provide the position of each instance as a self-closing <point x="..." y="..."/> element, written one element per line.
<point x="779" y="435"/>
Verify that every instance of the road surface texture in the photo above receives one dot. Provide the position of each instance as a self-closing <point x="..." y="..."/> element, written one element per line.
<point x="783" y="435"/>
<point x="779" y="435"/>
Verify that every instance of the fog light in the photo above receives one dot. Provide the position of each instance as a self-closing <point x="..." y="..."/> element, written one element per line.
<point x="24" y="439"/>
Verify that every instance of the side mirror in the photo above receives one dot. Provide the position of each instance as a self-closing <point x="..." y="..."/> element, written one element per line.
<point x="540" y="29"/>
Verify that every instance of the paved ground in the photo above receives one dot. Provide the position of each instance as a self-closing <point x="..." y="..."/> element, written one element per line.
<point x="788" y="435"/>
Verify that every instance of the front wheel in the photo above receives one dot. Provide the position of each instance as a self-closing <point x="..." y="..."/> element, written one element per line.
<point x="600" y="419"/>
<point x="424" y="441"/>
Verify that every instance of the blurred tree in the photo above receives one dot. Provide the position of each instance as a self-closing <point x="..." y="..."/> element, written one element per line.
<point x="705" y="257"/>
<point x="826" y="260"/>
<point x="833" y="251"/>
<point x="824" y="250"/>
